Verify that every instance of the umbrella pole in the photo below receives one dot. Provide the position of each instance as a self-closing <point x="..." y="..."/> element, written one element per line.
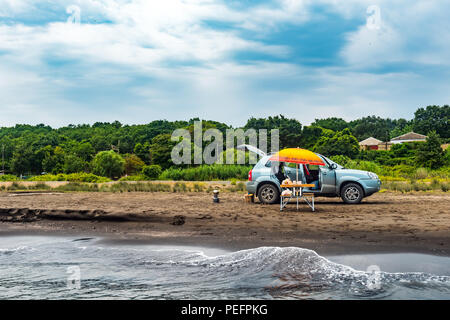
<point x="296" y="193"/>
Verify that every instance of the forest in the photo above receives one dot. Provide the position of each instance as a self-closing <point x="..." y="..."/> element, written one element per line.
<point x="104" y="151"/>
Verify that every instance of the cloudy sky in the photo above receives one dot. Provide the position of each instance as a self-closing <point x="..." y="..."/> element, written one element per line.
<point x="82" y="61"/>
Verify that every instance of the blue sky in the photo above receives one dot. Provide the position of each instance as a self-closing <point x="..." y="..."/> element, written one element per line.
<point x="138" y="60"/>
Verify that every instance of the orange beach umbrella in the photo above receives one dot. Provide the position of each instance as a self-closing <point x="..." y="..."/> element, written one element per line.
<point x="297" y="156"/>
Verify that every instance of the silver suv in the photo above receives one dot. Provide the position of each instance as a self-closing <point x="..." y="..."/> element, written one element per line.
<point x="332" y="180"/>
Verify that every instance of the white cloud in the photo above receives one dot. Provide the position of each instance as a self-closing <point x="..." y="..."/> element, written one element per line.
<point x="143" y="33"/>
<point x="139" y="60"/>
<point x="370" y="47"/>
<point x="410" y="32"/>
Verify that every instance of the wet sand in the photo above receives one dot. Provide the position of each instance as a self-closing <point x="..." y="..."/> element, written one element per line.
<point x="384" y="222"/>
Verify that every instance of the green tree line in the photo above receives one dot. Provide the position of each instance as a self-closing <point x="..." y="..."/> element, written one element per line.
<point x="114" y="149"/>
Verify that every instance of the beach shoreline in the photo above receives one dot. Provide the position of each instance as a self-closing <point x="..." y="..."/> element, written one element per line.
<point x="383" y="223"/>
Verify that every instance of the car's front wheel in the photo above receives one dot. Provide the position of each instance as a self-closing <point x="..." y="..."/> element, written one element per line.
<point x="268" y="194"/>
<point x="352" y="193"/>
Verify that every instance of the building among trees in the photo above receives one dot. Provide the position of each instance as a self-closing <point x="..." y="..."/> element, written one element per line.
<point x="409" y="137"/>
<point x="370" y="143"/>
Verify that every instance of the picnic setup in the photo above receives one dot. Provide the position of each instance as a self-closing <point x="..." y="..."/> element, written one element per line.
<point x="300" y="175"/>
<point x="293" y="190"/>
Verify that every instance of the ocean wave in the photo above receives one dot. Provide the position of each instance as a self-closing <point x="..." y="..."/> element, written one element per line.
<point x="188" y="272"/>
<point x="7" y="251"/>
<point x="295" y="272"/>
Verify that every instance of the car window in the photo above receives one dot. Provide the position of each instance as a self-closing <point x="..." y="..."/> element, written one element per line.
<point x="330" y="162"/>
<point x="327" y="161"/>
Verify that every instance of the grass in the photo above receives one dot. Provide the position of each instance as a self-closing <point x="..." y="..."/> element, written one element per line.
<point x="213" y="172"/>
<point x="39" y="186"/>
<point x="199" y="187"/>
<point x="399" y="178"/>
<point x="238" y="187"/>
<point x="445" y="187"/>
<point x="134" y="178"/>
<point x="123" y="186"/>
<point x="73" y="177"/>
<point x="234" y="173"/>
<point x="403" y="186"/>
<point x="207" y="173"/>
<point x="137" y="187"/>
<point x="78" y="186"/>
<point x="15" y="186"/>
<point x="416" y="185"/>
<point x="399" y="171"/>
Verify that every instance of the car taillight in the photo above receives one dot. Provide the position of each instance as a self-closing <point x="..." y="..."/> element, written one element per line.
<point x="250" y="175"/>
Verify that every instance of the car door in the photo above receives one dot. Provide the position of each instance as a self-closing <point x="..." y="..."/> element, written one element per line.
<point x="327" y="180"/>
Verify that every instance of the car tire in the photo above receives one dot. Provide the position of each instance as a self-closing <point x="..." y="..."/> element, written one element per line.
<point x="268" y="194"/>
<point x="352" y="193"/>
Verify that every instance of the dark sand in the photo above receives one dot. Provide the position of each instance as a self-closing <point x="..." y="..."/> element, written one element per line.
<point x="384" y="222"/>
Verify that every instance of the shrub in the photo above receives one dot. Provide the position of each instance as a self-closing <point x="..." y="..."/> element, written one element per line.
<point x="370" y="166"/>
<point x="421" y="173"/>
<point x="108" y="164"/>
<point x="9" y="177"/>
<point x="180" y="187"/>
<point x="39" y="186"/>
<point x="78" y="186"/>
<point x="401" y="170"/>
<point x="133" y="178"/>
<point x="122" y="187"/>
<point x="133" y="164"/>
<point x="152" y="172"/>
<point x="236" y="155"/>
<point x="240" y="186"/>
<point x="16" y="186"/>
<point x="73" y="164"/>
<point x="45" y="177"/>
<point x="207" y="173"/>
<point x="73" y="177"/>
<point x="430" y="153"/>
<point x="341" y="143"/>
<point x="139" y="187"/>
<point x="447" y="157"/>
<point x="199" y="187"/>
<point x="342" y="160"/>
<point x="443" y="172"/>
<point x="86" y="177"/>
<point x="435" y="184"/>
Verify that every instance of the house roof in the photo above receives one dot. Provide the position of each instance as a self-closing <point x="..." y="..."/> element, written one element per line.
<point x="370" y="142"/>
<point x="410" y="136"/>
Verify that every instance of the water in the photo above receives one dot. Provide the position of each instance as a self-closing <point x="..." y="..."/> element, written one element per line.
<point x="37" y="268"/>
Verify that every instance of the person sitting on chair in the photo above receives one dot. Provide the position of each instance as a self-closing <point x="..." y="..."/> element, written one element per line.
<point x="279" y="173"/>
<point x="311" y="177"/>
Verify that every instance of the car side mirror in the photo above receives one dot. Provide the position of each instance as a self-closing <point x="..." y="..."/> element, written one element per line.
<point x="333" y="166"/>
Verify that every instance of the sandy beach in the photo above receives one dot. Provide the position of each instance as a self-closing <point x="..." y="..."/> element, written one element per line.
<point x="385" y="222"/>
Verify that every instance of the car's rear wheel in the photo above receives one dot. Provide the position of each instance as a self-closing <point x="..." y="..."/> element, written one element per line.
<point x="268" y="194"/>
<point x="352" y="193"/>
